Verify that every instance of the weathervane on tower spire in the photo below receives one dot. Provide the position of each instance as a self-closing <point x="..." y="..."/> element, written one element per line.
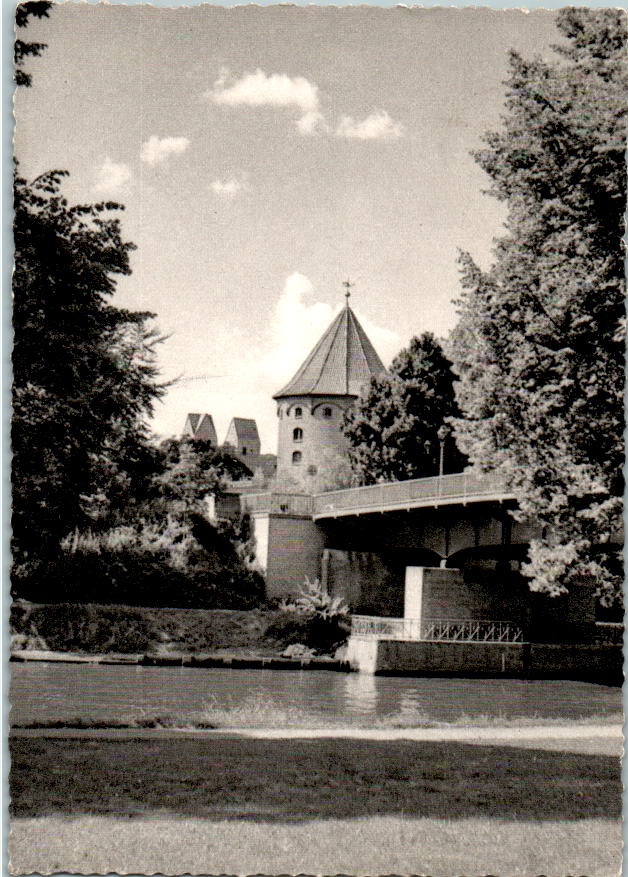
<point x="348" y="286"/>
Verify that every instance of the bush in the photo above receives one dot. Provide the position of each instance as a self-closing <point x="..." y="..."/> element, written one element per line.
<point x="77" y="628"/>
<point x="313" y="618"/>
<point x="155" y="564"/>
<point x="98" y="629"/>
<point x="313" y="599"/>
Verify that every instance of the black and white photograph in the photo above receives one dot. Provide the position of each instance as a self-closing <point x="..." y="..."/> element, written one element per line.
<point x="316" y="438"/>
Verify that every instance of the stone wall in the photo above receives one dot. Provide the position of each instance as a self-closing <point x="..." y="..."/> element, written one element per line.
<point x="599" y="663"/>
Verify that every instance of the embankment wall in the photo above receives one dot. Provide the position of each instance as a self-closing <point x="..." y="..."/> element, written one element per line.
<point x="592" y="663"/>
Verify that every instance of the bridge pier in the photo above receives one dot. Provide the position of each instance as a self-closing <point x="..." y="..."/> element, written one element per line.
<point x="289" y="549"/>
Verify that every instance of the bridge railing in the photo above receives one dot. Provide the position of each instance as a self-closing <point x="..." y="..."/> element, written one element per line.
<point x="278" y="503"/>
<point x="436" y="630"/>
<point x="462" y="485"/>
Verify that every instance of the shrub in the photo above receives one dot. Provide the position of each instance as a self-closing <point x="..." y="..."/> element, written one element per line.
<point x="313" y="599"/>
<point x="155" y="563"/>
<point x="313" y="618"/>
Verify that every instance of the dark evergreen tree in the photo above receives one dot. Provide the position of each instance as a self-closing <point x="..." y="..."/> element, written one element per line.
<point x="393" y="428"/>
<point x="539" y="347"/>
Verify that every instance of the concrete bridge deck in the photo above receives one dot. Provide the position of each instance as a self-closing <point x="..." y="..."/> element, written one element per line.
<point x="460" y="488"/>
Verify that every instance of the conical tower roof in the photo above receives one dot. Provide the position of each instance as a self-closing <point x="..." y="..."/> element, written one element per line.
<point x="341" y="363"/>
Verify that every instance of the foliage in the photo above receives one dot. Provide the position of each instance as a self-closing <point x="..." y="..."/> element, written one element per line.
<point x="393" y="428"/>
<point x="312" y="599"/>
<point x="313" y="618"/>
<point x="193" y="469"/>
<point x="84" y="371"/>
<point x="161" y="550"/>
<point x="22" y="49"/>
<point x="539" y="347"/>
<point x="97" y="628"/>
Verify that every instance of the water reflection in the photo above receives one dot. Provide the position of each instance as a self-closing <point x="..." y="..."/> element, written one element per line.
<point x="50" y="691"/>
<point x="361" y="693"/>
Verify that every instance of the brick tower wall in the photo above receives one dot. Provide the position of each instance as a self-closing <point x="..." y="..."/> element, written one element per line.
<point x="322" y="435"/>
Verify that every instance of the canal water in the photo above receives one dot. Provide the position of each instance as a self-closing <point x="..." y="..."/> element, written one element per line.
<point x="44" y="692"/>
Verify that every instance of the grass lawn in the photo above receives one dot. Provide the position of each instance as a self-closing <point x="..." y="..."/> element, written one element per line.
<point x="240" y="805"/>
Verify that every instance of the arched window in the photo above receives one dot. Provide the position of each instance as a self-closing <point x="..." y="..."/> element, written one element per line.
<point x="298" y="412"/>
<point x="327" y="412"/>
<point x="296" y="457"/>
<point x="297" y="434"/>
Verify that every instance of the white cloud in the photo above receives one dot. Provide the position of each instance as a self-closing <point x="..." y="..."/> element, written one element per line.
<point x="157" y="149"/>
<point x="377" y="126"/>
<point x="295" y="328"/>
<point x="111" y="176"/>
<point x="313" y="122"/>
<point x="260" y="89"/>
<point x="228" y="188"/>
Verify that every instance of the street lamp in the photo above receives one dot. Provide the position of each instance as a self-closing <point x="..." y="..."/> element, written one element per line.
<point x="443" y="434"/>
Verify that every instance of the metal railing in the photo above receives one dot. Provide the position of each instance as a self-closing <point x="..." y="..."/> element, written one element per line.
<point x="462" y="486"/>
<point x="278" y="503"/>
<point x="436" y="630"/>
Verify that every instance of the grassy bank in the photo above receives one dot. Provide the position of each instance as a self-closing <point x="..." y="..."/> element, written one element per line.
<point x="261" y="711"/>
<point x="242" y="805"/>
<point x="94" y="629"/>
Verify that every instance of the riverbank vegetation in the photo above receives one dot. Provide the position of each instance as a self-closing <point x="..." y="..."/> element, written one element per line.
<point x="262" y="712"/>
<point x="94" y="629"/>
<point x="239" y="805"/>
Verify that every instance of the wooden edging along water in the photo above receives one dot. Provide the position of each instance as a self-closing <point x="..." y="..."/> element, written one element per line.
<point x="202" y="661"/>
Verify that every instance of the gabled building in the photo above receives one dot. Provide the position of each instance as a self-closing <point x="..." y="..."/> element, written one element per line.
<point x="243" y="438"/>
<point x="311" y="406"/>
<point x="200" y="427"/>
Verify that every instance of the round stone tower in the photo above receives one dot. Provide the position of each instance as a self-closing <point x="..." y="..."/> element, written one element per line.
<point x="311" y="406"/>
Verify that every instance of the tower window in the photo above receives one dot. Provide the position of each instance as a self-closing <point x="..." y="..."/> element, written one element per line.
<point x="296" y="457"/>
<point x="298" y="412"/>
<point x="327" y="412"/>
<point x="244" y="451"/>
<point x="297" y="434"/>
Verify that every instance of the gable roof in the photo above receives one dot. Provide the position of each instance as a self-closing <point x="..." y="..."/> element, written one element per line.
<point x="242" y="429"/>
<point x="342" y="362"/>
<point x="191" y="422"/>
<point x="201" y="427"/>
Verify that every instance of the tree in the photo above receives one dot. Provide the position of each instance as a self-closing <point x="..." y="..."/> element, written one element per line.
<point x="539" y="346"/>
<point x="84" y="371"/>
<point x="160" y="549"/>
<point x="22" y="49"/>
<point x="393" y="427"/>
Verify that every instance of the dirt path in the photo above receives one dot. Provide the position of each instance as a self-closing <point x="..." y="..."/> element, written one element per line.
<point x="502" y="734"/>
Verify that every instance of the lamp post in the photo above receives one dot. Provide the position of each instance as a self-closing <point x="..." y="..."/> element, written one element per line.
<point x="443" y="434"/>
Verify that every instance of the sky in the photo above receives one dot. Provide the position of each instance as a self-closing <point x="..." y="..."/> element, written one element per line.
<point x="266" y="154"/>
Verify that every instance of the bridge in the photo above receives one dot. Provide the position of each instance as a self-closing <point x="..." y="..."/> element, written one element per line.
<point x="460" y="488"/>
<point x="436" y="521"/>
<point x="463" y="487"/>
